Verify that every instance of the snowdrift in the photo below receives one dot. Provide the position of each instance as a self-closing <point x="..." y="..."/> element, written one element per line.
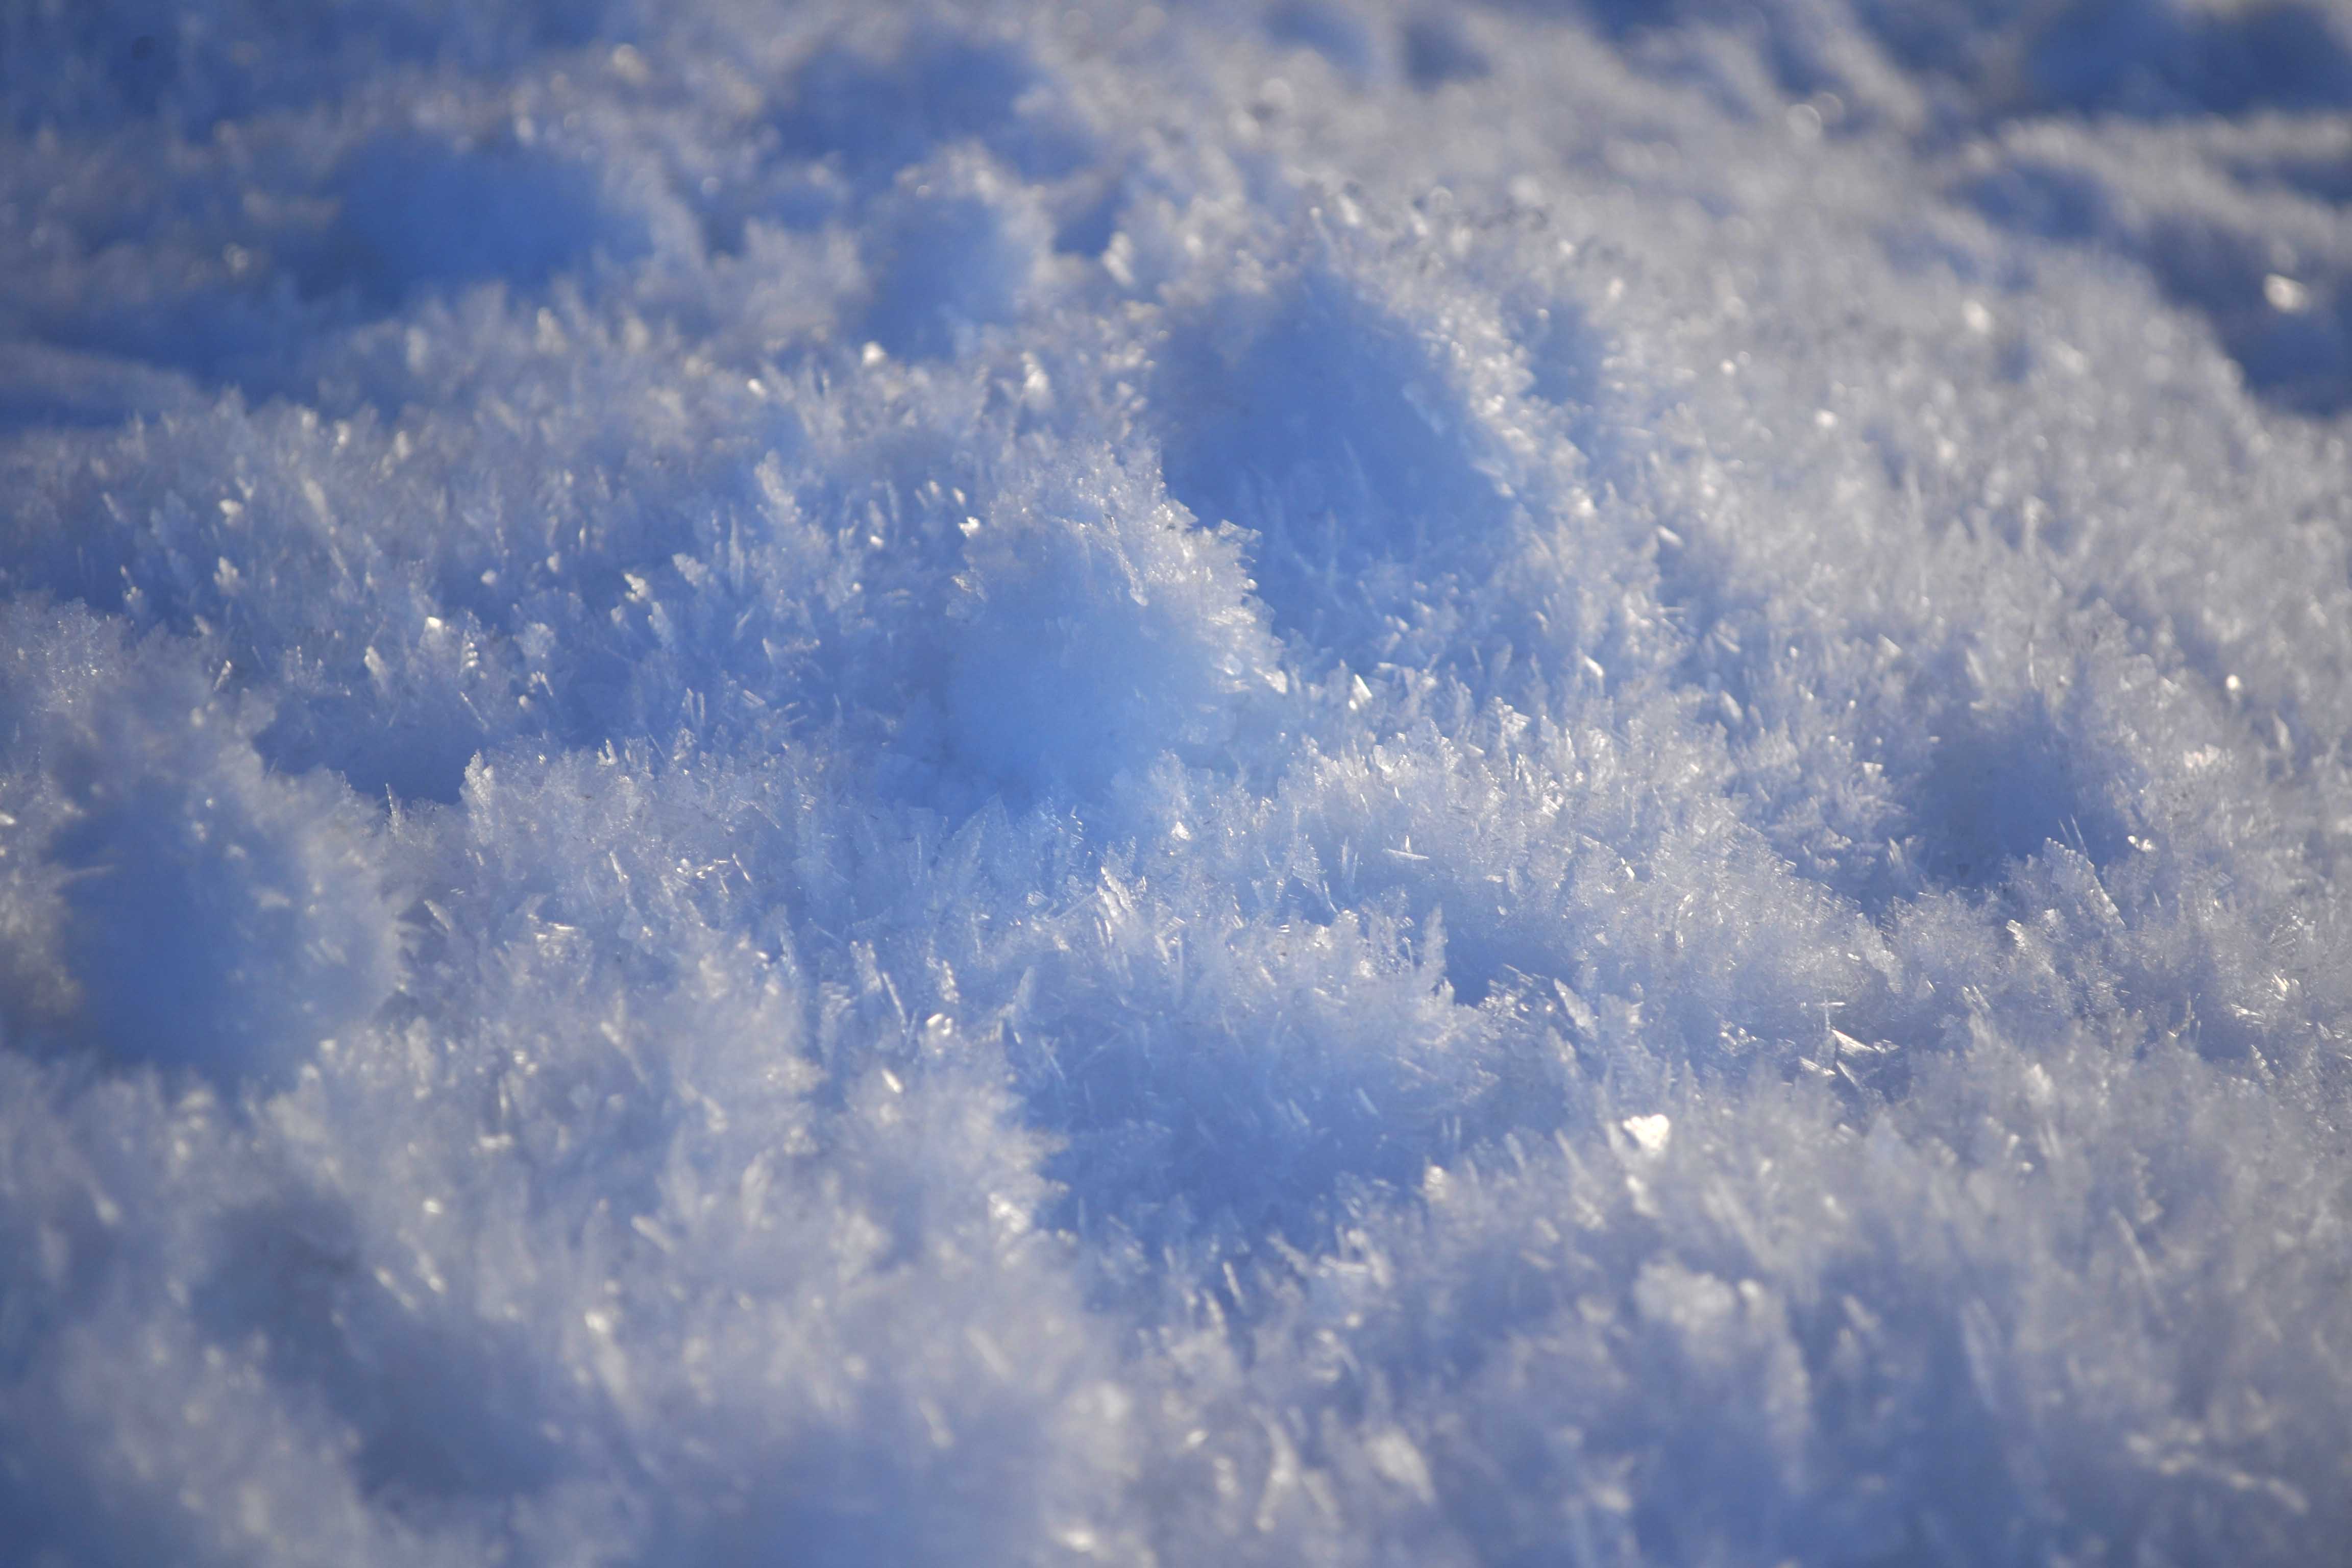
<point x="1230" y="784"/>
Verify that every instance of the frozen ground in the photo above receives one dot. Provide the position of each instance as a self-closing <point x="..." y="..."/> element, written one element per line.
<point x="1278" y="784"/>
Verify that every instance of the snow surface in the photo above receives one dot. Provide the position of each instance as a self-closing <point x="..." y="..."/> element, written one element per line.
<point x="1248" y="784"/>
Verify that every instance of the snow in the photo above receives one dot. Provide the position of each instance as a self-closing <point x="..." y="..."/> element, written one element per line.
<point x="1541" y="782"/>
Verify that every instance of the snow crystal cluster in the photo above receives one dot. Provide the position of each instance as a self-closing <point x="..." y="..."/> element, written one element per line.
<point x="1554" y="782"/>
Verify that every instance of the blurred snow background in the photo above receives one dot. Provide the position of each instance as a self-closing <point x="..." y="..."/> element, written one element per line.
<point x="1560" y="782"/>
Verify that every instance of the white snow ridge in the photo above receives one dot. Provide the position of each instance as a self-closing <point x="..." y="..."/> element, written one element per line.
<point x="1252" y="781"/>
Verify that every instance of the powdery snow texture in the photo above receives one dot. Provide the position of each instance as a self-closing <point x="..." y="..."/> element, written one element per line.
<point x="1538" y="782"/>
